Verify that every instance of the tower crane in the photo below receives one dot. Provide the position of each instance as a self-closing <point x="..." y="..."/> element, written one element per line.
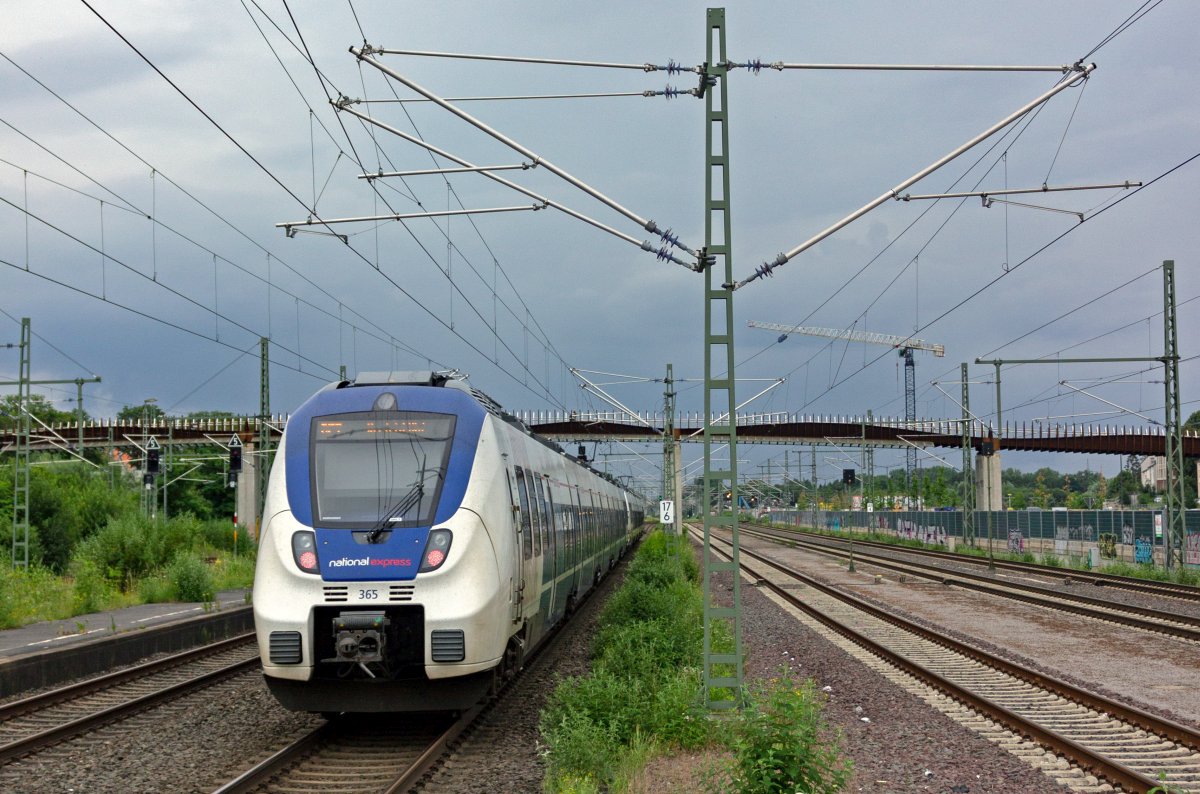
<point x="905" y="345"/>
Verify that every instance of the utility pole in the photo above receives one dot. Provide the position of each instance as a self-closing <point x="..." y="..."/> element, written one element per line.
<point x="722" y="671"/>
<point x="968" y="473"/>
<point x="20" y="538"/>
<point x="669" y="463"/>
<point x="20" y="522"/>
<point x="263" y="464"/>
<point x="1176" y="501"/>
<point x="870" y="463"/>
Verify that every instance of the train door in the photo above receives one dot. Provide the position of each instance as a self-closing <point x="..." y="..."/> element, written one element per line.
<point x="596" y="536"/>
<point x="554" y="553"/>
<point x="549" y="572"/>
<point x="528" y="588"/>
<point x="578" y="585"/>
<point x="537" y="602"/>
<point x="517" y="585"/>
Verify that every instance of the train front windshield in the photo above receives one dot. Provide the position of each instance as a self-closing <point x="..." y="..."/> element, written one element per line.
<point x="379" y="469"/>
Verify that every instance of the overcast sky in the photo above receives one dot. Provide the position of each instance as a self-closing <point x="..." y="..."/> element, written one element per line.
<point x="173" y="308"/>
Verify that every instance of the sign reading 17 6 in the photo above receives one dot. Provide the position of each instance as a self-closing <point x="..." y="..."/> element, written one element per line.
<point x="666" y="511"/>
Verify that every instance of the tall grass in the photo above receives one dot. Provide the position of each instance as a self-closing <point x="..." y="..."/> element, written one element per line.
<point x="27" y="596"/>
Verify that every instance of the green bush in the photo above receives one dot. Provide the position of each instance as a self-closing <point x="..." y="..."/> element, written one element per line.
<point x="132" y="546"/>
<point x="219" y="535"/>
<point x="92" y="591"/>
<point x="190" y="578"/>
<point x="640" y="600"/>
<point x="68" y="504"/>
<point x="782" y="744"/>
<point x="652" y="646"/>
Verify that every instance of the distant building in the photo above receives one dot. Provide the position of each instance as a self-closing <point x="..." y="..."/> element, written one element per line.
<point x="1154" y="473"/>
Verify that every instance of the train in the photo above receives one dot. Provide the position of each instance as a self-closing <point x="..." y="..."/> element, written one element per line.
<point x="418" y="542"/>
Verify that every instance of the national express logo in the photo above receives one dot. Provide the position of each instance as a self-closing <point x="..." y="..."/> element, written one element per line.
<point x="370" y="562"/>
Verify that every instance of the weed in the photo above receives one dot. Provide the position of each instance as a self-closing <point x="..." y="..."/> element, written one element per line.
<point x="1164" y="788"/>
<point x="781" y="743"/>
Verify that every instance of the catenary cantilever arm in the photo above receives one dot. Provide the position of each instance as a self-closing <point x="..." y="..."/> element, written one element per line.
<point x="1081" y="72"/>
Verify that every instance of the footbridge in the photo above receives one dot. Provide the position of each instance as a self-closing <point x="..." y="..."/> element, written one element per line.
<point x="573" y="426"/>
<point x="837" y="430"/>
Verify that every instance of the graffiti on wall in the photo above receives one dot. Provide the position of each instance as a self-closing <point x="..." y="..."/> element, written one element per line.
<point x="1016" y="540"/>
<point x="1108" y="545"/>
<point x="1142" y="551"/>
<point x="913" y="531"/>
<point x="1191" y="549"/>
<point x="1127" y="535"/>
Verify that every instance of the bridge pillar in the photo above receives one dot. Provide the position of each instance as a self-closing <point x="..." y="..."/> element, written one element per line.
<point x="989" y="495"/>
<point x="247" y="491"/>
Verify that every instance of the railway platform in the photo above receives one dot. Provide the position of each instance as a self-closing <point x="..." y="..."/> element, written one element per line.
<point x="45" y="653"/>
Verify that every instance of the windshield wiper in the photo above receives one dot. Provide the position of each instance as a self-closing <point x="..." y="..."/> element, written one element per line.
<point x="410" y="500"/>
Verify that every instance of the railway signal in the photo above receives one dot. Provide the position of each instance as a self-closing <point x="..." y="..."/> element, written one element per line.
<point x="235" y="460"/>
<point x="153" y="452"/>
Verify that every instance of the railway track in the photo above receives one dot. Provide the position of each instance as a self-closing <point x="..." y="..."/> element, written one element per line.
<point x="33" y="723"/>
<point x="1154" y="620"/>
<point x="1165" y="589"/>
<point x="355" y="753"/>
<point x="1125" y="746"/>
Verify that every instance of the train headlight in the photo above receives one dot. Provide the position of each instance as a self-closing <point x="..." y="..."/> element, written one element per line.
<point x="436" y="549"/>
<point x="304" y="552"/>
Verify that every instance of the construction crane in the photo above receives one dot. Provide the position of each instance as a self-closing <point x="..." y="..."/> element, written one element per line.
<point x="904" y="344"/>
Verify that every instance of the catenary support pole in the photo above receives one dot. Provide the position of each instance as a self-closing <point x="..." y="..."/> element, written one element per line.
<point x="722" y="666"/>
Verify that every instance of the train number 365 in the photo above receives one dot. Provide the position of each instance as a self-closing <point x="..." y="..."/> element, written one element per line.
<point x="368" y="595"/>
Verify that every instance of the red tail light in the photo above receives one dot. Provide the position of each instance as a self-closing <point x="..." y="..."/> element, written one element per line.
<point x="436" y="550"/>
<point x="304" y="552"/>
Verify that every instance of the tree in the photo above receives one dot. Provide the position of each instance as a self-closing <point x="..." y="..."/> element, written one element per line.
<point x="37" y="405"/>
<point x="1124" y="485"/>
<point x="135" y="413"/>
<point x="210" y="415"/>
<point x="1041" y="495"/>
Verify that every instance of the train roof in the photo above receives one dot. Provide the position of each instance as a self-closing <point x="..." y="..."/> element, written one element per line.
<point x="454" y="379"/>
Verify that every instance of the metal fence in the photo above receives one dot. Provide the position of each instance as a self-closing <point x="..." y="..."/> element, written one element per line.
<point x="1129" y="535"/>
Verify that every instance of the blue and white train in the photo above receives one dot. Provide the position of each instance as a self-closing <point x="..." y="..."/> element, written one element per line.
<point x="417" y="543"/>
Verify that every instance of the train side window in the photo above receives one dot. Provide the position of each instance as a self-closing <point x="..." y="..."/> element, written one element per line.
<point x="526" y="526"/>
<point x="534" y="517"/>
<point x="543" y="510"/>
<point x="548" y="502"/>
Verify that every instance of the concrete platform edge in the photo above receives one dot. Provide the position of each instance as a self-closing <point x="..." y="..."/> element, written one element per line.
<point x="46" y="668"/>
